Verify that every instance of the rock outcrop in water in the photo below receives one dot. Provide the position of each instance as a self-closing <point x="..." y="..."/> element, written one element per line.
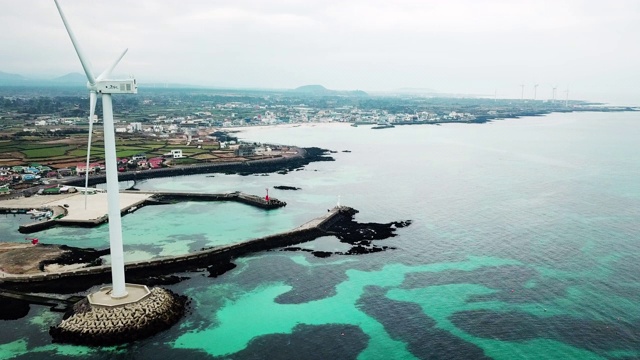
<point x="12" y="309"/>
<point x="359" y="235"/>
<point x="284" y="187"/>
<point x="220" y="268"/>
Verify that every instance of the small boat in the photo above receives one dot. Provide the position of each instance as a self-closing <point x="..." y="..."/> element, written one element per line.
<point x="36" y="213"/>
<point x="383" y="125"/>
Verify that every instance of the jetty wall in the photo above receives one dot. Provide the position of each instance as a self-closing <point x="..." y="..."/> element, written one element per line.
<point x="73" y="280"/>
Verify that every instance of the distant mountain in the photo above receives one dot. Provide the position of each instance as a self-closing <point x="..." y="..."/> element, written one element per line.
<point x="319" y="90"/>
<point x="11" y="79"/>
<point x="71" y="78"/>
<point x="315" y="89"/>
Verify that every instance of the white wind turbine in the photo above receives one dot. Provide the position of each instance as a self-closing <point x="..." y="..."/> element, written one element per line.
<point x="104" y="86"/>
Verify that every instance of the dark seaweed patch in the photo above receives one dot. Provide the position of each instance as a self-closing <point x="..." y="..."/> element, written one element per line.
<point x="592" y="335"/>
<point x="307" y="342"/>
<point x="407" y="322"/>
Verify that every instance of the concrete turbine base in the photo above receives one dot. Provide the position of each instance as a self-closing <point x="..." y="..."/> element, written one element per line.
<point x="103" y="296"/>
<point x="104" y="322"/>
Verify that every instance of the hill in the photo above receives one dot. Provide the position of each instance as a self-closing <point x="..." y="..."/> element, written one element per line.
<point x="314" y="89"/>
<point x="11" y="79"/>
<point x="71" y="79"/>
<point x="319" y="90"/>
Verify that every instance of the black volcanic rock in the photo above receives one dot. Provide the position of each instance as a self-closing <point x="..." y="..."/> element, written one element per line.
<point x="12" y="309"/>
<point x="359" y="235"/>
<point x="218" y="269"/>
<point x="74" y="255"/>
<point x="322" y="254"/>
<point x="352" y="232"/>
<point x="284" y="187"/>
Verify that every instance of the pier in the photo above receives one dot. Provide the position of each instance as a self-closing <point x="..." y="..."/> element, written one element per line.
<point x="69" y="210"/>
<point x="52" y="281"/>
<point x="252" y="200"/>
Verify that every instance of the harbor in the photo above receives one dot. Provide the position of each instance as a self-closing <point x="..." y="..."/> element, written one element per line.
<point x="69" y="209"/>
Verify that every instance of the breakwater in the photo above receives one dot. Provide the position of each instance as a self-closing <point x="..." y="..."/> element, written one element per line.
<point x="252" y="200"/>
<point x="60" y="214"/>
<point x="83" y="278"/>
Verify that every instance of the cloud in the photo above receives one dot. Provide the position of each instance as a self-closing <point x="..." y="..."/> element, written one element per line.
<point x="457" y="45"/>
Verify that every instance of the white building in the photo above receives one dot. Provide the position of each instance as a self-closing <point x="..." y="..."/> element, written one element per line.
<point x="136" y="126"/>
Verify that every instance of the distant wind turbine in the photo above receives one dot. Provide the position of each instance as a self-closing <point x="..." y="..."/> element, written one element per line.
<point x="553" y="93"/>
<point x="104" y="86"/>
<point x="535" y="91"/>
<point x="522" y="93"/>
<point x="566" y="98"/>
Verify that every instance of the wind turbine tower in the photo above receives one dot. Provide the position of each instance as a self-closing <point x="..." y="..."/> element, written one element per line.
<point x="146" y="311"/>
<point x="103" y="85"/>
<point x="566" y="98"/>
<point x="553" y="93"/>
<point x="535" y="91"/>
<point x="522" y="92"/>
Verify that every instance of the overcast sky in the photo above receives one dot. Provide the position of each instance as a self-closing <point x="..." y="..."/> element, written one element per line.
<point x="454" y="46"/>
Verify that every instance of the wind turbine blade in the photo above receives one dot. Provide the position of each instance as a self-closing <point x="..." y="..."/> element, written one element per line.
<point x="105" y="74"/>
<point x="92" y="109"/>
<point x="76" y="45"/>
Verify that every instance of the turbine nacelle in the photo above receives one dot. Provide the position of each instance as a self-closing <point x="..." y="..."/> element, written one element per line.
<point x="129" y="86"/>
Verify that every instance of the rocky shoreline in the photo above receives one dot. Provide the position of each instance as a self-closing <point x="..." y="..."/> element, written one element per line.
<point x="281" y="165"/>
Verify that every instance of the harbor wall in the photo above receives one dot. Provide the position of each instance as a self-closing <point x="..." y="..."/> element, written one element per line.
<point x="79" y="279"/>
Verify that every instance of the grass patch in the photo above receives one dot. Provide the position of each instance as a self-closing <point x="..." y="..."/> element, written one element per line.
<point x="95" y="151"/>
<point x="184" y="161"/>
<point x="47" y="152"/>
<point x="127" y="152"/>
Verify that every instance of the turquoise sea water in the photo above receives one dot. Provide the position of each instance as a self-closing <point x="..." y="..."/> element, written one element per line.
<point x="524" y="245"/>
